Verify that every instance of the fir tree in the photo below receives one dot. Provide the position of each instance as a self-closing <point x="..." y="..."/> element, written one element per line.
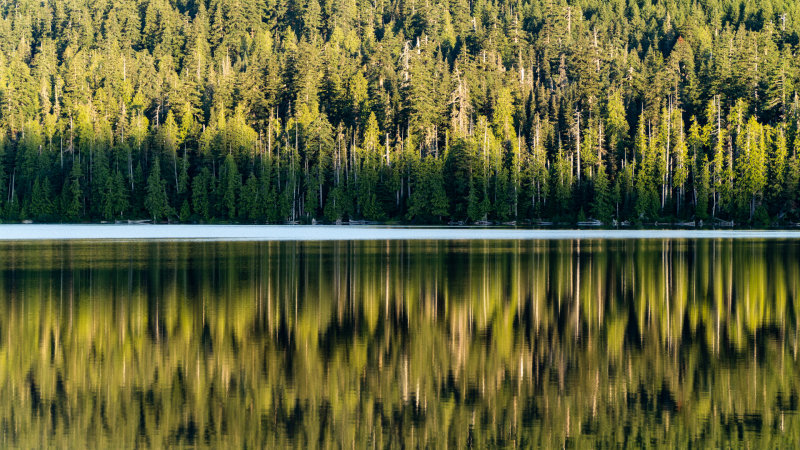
<point x="229" y="184"/>
<point x="201" y="189"/>
<point x="41" y="205"/>
<point x="72" y="193"/>
<point x="156" y="200"/>
<point x="601" y="206"/>
<point x="703" y="191"/>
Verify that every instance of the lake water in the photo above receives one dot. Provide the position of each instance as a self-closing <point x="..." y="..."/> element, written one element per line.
<point x="392" y="343"/>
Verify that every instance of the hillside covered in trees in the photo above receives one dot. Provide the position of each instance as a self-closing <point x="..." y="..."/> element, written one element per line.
<point x="413" y="110"/>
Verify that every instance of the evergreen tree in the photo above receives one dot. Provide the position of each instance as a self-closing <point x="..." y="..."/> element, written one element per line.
<point x="778" y="159"/>
<point x="428" y="199"/>
<point x="228" y="189"/>
<point x="475" y="210"/>
<point x="460" y="186"/>
<point x="72" y="193"/>
<point x="793" y="185"/>
<point x="41" y="206"/>
<point x="602" y="209"/>
<point x="3" y="181"/>
<point x="156" y="200"/>
<point x="703" y="191"/>
<point x="201" y="190"/>
<point x="114" y="198"/>
<point x="251" y="201"/>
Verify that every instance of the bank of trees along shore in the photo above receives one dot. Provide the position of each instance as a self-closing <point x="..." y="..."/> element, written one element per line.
<point x="423" y="111"/>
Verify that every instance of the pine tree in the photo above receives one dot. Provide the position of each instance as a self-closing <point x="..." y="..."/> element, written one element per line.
<point x="646" y="174"/>
<point x="156" y="200"/>
<point x="201" y="189"/>
<point x="72" y="198"/>
<point x="438" y="196"/>
<point x="601" y="206"/>
<point x="792" y="188"/>
<point x="475" y="212"/>
<point x="3" y="181"/>
<point x="778" y="167"/>
<point x="185" y="212"/>
<point x="458" y="164"/>
<point x="114" y="199"/>
<point x="230" y="182"/>
<point x="681" y="163"/>
<point x="617" y="126"/>
<point x="428" y="199"/>
<point x="703" y="190"/>
<point x="251" y="201"/>
<point x="562" y="183"/>
<point x="751" y="167"/>
<point x="40" y="202"/>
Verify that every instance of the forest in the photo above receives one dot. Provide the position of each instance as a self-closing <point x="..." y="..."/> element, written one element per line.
<point x="401" y="111"/>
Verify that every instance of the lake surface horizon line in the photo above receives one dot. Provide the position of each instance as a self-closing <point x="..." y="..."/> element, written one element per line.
<point x="38" y="232"/>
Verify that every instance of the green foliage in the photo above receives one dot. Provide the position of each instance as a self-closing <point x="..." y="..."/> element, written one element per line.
<point x="41" y="204"/>
<point x="602" y="209"/>
<point x="251" y="199"/>
<point x="72" y="193"/>
<point x="156" y="200"/>
<point x="114" y="201"/>
<point x="185" y="212"/>
<point x="703" y="191"/>
<point x="230" y="182"/>
<point x="428" y="199"/>
<point x="202" y="186"/>
<point x="761" y="217"/>
<point x="345" y="102"/>
<point x="458" y="165"/>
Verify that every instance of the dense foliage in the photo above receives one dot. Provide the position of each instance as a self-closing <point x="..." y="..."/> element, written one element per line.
<point x="276" y="110"/>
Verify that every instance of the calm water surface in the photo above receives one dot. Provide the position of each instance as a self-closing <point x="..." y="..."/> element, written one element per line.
<point x="400" y="343"/>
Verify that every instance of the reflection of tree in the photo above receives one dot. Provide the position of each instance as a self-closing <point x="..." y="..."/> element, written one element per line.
<point x="269" y="344"/>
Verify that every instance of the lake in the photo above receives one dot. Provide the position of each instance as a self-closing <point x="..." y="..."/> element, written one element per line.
<point x="391" y="343"/>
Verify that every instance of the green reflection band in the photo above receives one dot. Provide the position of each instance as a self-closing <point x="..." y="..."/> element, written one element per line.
<point x="399" y="343"/>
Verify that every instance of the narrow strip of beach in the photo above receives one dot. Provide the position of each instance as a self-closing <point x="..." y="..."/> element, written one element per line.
<point x="29" y="232"/>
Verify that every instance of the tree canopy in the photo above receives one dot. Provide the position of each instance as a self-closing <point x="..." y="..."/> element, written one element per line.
<point x="245" y="111"/>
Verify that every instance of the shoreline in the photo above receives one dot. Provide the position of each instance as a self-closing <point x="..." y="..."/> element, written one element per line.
<point x="113" y="232"/>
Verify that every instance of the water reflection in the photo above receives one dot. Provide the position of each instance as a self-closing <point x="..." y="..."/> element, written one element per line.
<point x="399" y="343"/>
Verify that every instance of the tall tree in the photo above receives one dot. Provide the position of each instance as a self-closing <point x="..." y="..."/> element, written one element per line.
<point x="156" y="200"/>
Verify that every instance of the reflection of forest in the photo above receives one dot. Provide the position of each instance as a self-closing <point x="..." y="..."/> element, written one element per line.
<point x="392" y="343"/>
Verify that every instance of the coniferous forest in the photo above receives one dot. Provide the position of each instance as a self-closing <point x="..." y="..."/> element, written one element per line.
<point x="415" y="111"/>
